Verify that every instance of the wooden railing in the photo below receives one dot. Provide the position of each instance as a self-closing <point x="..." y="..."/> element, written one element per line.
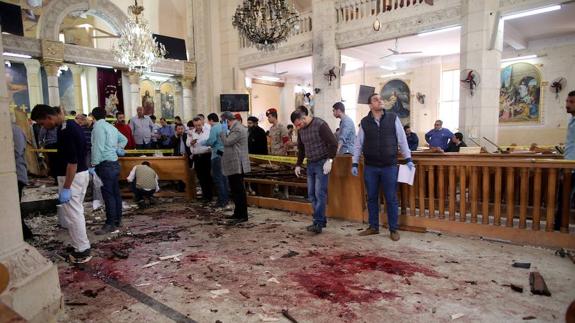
<point x="351" y="10"/>
<point x="505" y="197"/>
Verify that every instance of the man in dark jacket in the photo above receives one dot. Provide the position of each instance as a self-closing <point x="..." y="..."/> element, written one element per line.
<point x="455" y="143"/>
<point x="257" y="139"/>
<point x="178" y="141"/>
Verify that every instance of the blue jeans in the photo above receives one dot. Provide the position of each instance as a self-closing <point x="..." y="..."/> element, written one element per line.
<point x="109" y="173"/>
<point x="317" y="190"/>
<point x="220" y="181"/>
<point x="386" y="178"/>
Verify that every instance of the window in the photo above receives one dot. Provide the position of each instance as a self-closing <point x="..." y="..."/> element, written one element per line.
<point x="349" y="98"/>
<point x="449" y="101"/>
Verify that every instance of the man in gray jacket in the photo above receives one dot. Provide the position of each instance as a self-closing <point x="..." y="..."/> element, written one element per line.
<point x="235" y="163"/>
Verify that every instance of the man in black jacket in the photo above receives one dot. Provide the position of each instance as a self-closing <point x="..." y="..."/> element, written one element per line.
<point x="257" y="139"/>
<point x="178" y="143"/>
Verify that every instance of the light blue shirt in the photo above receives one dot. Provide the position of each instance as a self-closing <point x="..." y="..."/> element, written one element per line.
<point x="401" y="141"/>
<point x="570" y="141"/>
<point x="105" y="140"/>
<point x="438" y="138"/>
<point x="346" y="135"/>
<point x="214" y="140"/>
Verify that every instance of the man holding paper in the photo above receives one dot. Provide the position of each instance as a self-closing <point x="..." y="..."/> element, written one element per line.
<point x="379" y="136"/>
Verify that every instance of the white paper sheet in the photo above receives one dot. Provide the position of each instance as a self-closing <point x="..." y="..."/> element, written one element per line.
<point x="405" y="175"/>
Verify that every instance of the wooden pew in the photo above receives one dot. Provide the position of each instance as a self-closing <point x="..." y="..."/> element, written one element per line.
<point x="167" y="168"/>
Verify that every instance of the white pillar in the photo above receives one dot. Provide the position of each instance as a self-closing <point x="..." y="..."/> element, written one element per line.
<point x="481" y="45"/>
<point x="287" y="102"/>
<point x="200" y="50"/>
<point x="325" y="57"/>
<point x="53" y="87"/>
<point x="77" y="77"/>
<point x="188" y="113"/>
<point x="33" y="290"/>
<point x="34" y="89"/>
<point x="135" y="100"/>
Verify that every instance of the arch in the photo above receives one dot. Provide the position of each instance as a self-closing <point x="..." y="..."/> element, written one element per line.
<point x="55" y="12"/>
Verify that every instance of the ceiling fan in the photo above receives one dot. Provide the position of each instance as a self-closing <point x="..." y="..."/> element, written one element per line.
<point x="395" y="51"/>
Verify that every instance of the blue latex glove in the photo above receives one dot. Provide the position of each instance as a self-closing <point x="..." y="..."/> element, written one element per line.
<point x="354" y="171"/>
<point x="65" y="195"/>
<point x="92" y="171"/>
<point x="120" y="152"/>
<point x="411" y="165"/>
<point x="225" y="126"/>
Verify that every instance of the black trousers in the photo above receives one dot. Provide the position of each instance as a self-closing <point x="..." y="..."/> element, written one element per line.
<point x="203" y="167"/>
<point x="239" y="194"/>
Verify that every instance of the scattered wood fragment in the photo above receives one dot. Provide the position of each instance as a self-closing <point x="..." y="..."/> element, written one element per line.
<point x="151" y="264"/>
<point x="538" y="285"/>
<point x="244" y="294"/>
<point x="515" y="288"/>
<point x="457" y="316"/>
<point x="529" y="318"/>
<point x="174" y="256"/>
<point x="288" y="316"/>
<point x="525" y="265"/>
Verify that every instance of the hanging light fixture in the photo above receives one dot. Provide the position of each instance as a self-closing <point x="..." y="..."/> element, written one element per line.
<point x="266" y="23"/>
<point x="137" y="48"/>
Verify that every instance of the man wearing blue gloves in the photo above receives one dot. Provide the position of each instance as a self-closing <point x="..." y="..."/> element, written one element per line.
<point x="379" y="137"/>
<point x="107" y="144"/>
<point x="71" y="172"/>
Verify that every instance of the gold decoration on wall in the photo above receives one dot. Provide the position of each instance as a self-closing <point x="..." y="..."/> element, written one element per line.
<point x="52" y="51"/>
<point x="190" y="71"/>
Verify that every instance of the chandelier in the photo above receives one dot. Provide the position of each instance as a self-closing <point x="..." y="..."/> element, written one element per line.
<point x="265" y="23"/>
<point x="137" y="48"/>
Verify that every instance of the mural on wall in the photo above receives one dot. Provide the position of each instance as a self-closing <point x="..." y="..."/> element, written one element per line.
<point x="396" y="97"/>
<point x="167" y="92"/>
<point x="520" y="94"/>
<point x="147" y="91"/>
<point x="17" y="82"/>
<point x="110" y="95"/>
<point x="66" y="87"/>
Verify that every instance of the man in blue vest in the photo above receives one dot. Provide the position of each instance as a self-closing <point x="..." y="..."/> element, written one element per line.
<point x="379" y="137"/>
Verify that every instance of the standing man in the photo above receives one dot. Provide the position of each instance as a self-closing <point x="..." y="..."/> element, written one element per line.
<point x="107" y="144"/>
<point x="236" y="163"/>
<point x="412" y="139"/>
<point x="165" y="134"/>
<point x="72" y="174"/>
<point x="278" y="134"/>
<point x="569" y="154"/>
<point x="346" y="138"/>
<point x="257" y="139"/>
<point x="317" y="143"/>
<point x="124" y="129"/>
<point x="201" y="155"/>
<point x="215" y="142"/>
<point x="178" y="141"/>
<point x="142" y="128"/>
<point x="87" y="125"/>
<point x="21" y="171"/>
<point x="380" y="133"/>
<point x="438" y="137"/>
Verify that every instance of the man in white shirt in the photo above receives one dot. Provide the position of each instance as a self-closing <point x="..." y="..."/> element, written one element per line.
<point x="201" y="156"/>
<point x="207" y="127"/>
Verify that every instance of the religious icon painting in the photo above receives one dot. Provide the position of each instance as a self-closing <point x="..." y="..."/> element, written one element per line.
<point x="17" y="82"/>
<point x="396" y="97"/>
<point x="520" y="94"/>
<point x="167" y="92"/>
<point x="147" y="93"/>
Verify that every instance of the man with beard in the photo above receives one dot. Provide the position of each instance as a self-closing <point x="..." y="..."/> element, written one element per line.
<point x="257" y="139"/>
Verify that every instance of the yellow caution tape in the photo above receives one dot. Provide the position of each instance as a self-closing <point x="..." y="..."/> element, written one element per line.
<point x="281" y="159"/>
<point x="128" y="152"/>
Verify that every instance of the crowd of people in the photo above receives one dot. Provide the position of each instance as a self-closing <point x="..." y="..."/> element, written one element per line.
<point x="218" y="148"/>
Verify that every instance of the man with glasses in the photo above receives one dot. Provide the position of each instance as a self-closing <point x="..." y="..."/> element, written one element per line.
<point x="438" y="137"/>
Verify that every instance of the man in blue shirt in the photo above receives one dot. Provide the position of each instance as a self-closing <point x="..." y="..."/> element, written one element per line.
<point x="438" y="137"/>
<point x="71" y="172"/>
<point x="346" y="138"/>
<point x="215" y="142"/>
<point x="165" y="134"/>
<point x="412" y="139"/>
<point x="107" y="144"/>
<point x="569" y="154"/>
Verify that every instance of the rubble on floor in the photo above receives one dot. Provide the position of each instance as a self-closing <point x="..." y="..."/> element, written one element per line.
<point x="178" y="262"/>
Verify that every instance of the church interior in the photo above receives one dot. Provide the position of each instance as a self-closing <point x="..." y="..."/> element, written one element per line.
<point x="222" y="234"/>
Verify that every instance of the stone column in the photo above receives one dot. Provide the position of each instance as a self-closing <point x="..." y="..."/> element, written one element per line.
<point x="325" y="57"/>
<point x="135" y="100"/>
<point x="287" y="102"/>
<point x="481" y="45"/>
<point x="53" y="87"/>
<point x="34" y="82"/>
<point x="77" y="77"/>
<point x="200" y="50"/>
<point x="188" y="112"/>
<point x="33" y="290"/>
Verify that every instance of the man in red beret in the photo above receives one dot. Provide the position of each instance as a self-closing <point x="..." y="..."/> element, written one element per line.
<point x="278" y="133"/>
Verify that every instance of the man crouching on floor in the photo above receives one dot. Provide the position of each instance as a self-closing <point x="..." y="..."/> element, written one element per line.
<point x="144" y="184"/>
